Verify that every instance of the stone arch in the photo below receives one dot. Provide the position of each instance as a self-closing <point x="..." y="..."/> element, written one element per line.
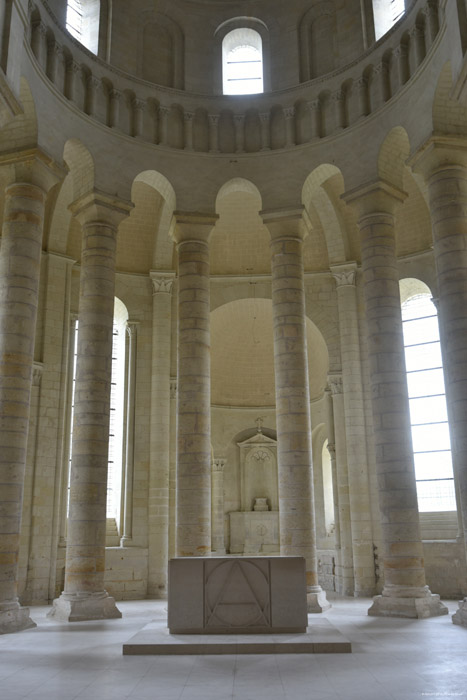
<point x="449" y="115"/>
<point x="393" y="155"/>
<point x="22" y="130"/>
<point x="161" y="50"/>
<point x="317" y="34"/>
<point x="240" y="241"/>
<point x="410" y="286"/>
<point x="81" y="165"/>
<point x="163" y="247"/>
<point x="314" y="194"/>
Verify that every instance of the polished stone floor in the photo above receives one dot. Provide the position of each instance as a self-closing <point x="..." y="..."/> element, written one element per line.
<point x="391" y="660"/>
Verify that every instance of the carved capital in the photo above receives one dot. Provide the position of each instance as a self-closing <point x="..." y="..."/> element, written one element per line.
<point x="162" y="282"/>
<point x="335" y="384"/>
<point x="173" y="387"/>
<point x="218" y="464"/>
<point x="345" y="275"/>
<point x="289" y="112"/>
<point x="37" y="370"/>
<point x="213" y="119"/>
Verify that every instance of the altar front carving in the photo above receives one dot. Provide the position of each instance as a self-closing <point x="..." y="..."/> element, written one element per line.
<point x="255" y="528"/>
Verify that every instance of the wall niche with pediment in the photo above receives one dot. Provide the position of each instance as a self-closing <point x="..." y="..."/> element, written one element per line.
<point x="254" y="529"/>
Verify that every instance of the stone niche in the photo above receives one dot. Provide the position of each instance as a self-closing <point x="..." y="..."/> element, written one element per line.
<point x="255" y="528"/>
<point x="233" y="595"/>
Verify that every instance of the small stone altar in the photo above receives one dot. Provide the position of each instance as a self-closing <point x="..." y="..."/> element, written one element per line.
<point x="232" y="595"/>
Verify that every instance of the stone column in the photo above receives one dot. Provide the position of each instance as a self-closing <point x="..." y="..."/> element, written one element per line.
<point x="213" y="133"/>
<point x="294" y="450"/>
<point x="355" y="429"/>
<point x="443" y="163"/>
<point x="217" y="517"/>
<point x="289" y="116"/>
<point x="405" y="593"/>
<point x="162" y="283"/>
<point x="84" y="597"/>
<point x="316" y="119"/>
<point x="265" y="126"/>
<point x="342" y="479"/>
<point x="129" y="441"/>
<point x="188" y="130"/>
<point x="20" y="259"/>
<point x="239" y="122"/>
<point x="191" y="234"/>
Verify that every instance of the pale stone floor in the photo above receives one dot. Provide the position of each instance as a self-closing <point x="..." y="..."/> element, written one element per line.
<point x="391" y="660"/>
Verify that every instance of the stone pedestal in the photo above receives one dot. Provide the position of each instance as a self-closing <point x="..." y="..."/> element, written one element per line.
<point x="77" y="607"/>
<point x="14" y="618"/>
<point x="397" y="601"/>
<point x="237" y="595"/>
<point x="460" y="617"/>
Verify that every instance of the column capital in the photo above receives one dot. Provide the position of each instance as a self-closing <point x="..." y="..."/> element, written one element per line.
<point x="31" y="166"/>
<point x="344" y="274"/>
<point x="439" y="153"/>
<point x="289" y="222"/>
<point x="162" y="282"/>
<point x="335" y="384"/>
<point x="218" y="464"/>
<point x="193" y="226"/>
<point x="377" y="197"/>
<point x="98" y="206"/>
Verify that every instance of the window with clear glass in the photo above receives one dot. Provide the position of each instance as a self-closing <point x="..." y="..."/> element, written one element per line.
<point x="386" y="13"/>
<point x="117" y="403"/>
<point x="242" y="65"/>
<point x="82" y="21"/>
<point x="428" y="413"/>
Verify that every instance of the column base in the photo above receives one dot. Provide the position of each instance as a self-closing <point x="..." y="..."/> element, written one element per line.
<point x="78" y="607"/>
<point x="316" y="600"/>
<point x="14" y="618"/>
<point x="413" y="602"/>
<point x="460" y="616"/>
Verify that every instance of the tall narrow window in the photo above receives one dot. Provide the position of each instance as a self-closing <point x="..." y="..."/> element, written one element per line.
<point x="386" y="13"/>
<point x="74" y="18"/>
<point x="117" y="402"/>
<point x="82" y="21"/>
<point x="242" y="62"/>
<point x="428" y="413"/>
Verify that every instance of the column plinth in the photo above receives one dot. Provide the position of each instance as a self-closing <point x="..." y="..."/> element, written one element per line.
<point x="84" y="596"/>
<point x="405" y="593"/>
<point x="294" y="451"/>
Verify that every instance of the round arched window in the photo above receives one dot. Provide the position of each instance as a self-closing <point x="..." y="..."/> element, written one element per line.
<point x="242" y="62"/>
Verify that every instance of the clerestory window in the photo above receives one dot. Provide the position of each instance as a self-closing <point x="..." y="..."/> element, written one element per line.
<point x="386" y="13"/>
<point x="242" y="62"/>
<point x="82" y="21"/>
<point x="428" y="412"/>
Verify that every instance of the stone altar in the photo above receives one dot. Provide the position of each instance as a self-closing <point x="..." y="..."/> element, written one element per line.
<point x="237" y="595"/>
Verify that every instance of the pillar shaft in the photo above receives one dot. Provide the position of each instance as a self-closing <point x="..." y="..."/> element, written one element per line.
<point x="84" y="596"/>
<point x="194" y="386"/>
<point x="404" y="573"/>
<point x="29" y="175"/>
<point x="444" y="165"/>
<point x="217" y="538"/>
<point x="160" y="435"/>
<point x="20" y="256"/>
<point x="359" y="496"/>
<point x="294" y="450"/>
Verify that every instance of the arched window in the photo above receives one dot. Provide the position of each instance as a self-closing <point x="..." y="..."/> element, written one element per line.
<point x="386" y="13"/>
<point x="428" y="413"/>
<point x="242" y="62"/>
<point x="82" y="21"/>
